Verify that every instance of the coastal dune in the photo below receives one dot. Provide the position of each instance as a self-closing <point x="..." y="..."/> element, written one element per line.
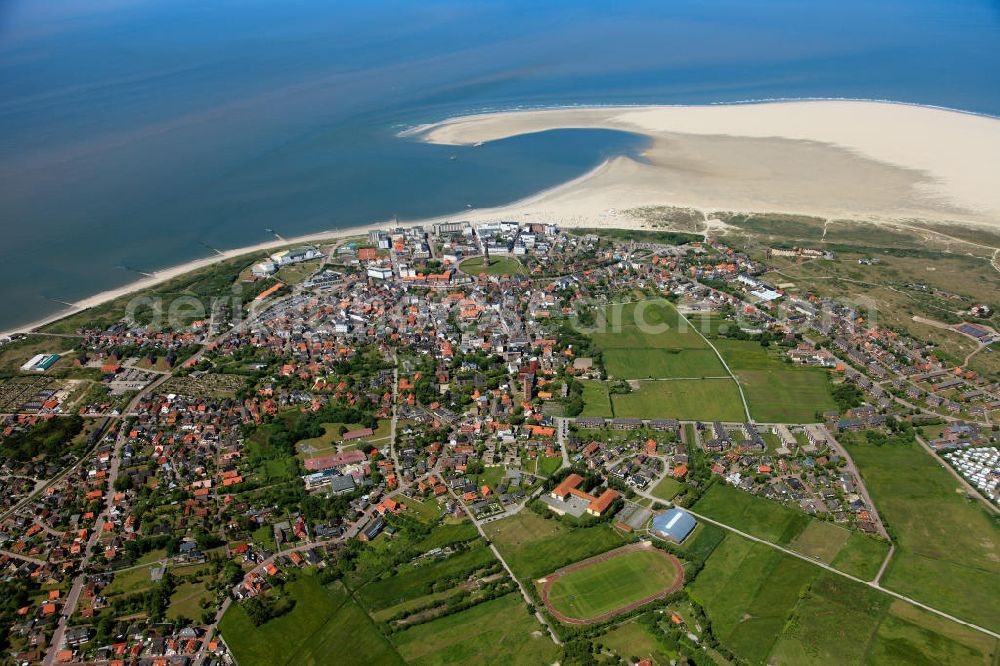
<point x="866" y="160"/>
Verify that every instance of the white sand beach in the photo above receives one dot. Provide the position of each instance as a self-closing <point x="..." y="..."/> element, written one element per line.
<point x="861" y="160"/>
<point x="835" y="159"/>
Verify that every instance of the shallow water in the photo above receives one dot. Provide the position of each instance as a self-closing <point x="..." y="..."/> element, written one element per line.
<point x="134" y="132"/>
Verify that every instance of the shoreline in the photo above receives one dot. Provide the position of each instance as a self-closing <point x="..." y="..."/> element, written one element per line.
<point x="600" y="197"/>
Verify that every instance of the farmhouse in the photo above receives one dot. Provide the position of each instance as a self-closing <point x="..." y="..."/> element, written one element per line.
<point x="674" y="525"/>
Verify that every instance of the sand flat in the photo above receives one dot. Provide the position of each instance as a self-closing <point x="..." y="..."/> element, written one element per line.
<point x="826" y="158"/>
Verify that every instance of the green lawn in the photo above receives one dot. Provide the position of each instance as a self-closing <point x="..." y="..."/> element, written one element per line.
<point x="130" y="580"/>
<point x="595" y="399"/>
<point x="948" y="548"/>
<point x="426" y="511"/>
<point x="322" y="621"/>
<point x="534" y="546"/>
<point x="186" y="601"/>
<point x="667" y="489"/>
<point x="547" y="466"/>
<point x="447" y="534"/>
<point x="624" y="579"/>
<point x="495" y="632"/>
<point x="498" y="266"/>
<point x="696" y="399"/>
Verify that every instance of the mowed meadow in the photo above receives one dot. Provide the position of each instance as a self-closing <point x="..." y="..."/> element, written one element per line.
<point x="673" y="369"/>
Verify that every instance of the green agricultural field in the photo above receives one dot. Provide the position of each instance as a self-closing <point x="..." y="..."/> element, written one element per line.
<point x="595" y="399"/>
<point x="820" y="540"/>
<point x="498" y="266"/>
<point x="911" y="635"/>
<point x="322" y="621"/>
<point x="534" y="546"/>
<point x="832" y="624"/>
<point x="748" y="591"/>
<point x="701" y="543"/>
<point x="416" y="580"/>
<point x="348" y="626"/>
<point x="660" y="363"/>
<point x="500" y="631"/>
<point x="772" y="608"/>
<point x="777" y="391"/>
<point x="694" y="399"/>
<point x="948" y="547"/>
<point x="652" y="324"/>
<point x="751" y="514"/>
<point x="861" y="556"/>
<point x="600" y="588"/>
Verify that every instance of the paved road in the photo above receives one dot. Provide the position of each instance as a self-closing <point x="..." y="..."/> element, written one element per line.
<point x="56" y="642"/>
<point x="562" y="432"/>
<point x="33" y="560"/>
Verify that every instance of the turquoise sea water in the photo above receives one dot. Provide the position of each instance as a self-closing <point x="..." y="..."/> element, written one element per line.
<point x="133" y="132"/>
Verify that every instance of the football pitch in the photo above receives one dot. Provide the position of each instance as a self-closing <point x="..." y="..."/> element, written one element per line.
<point x="610" y="584"/>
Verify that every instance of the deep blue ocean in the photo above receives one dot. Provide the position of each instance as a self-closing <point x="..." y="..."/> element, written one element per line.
<point x="133" y="132"/>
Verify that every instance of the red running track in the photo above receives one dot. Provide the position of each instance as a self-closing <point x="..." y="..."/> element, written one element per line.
<point x="549" y="580"/>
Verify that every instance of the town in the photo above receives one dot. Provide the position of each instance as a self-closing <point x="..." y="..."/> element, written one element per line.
<point x="383" y="437"/>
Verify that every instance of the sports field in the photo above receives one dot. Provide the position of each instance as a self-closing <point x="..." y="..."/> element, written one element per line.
<point x="685" y="399"/>
<point x="610" y="584"/>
